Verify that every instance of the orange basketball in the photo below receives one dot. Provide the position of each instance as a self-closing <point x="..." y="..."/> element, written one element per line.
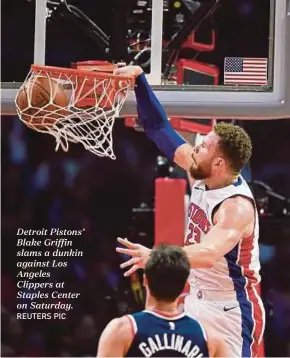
<point x="42" y="101"/>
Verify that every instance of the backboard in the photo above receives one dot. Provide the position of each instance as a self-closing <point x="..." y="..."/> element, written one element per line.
<point x="204" y="59"/>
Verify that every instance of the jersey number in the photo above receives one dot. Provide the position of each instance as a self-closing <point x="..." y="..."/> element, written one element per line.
<point x="193" y="237"/>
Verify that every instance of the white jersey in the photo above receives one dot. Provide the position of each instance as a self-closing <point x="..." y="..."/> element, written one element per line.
<point x="240" y="267"/>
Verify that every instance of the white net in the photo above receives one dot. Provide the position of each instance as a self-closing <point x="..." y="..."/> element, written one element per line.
<point x="73" y="106"/>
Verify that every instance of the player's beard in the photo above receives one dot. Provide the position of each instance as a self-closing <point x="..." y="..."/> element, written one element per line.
<point x="200" y="172"/>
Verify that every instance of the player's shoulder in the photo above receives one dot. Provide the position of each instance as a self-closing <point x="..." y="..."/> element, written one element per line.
<point x="240" y="200"/>
<point x="120" y="326"/>
<point x="119" y="333"/>
<point x="235" y="209"/>
<point x="238" y="203"/>
<point x="140" y="316"/>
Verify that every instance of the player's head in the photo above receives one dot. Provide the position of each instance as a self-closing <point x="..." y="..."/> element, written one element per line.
<point x="226" y="149"/>
<point x="166" y="272"/>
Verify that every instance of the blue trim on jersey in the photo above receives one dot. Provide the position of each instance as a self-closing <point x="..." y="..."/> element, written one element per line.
<point x="239" y="281"/>
<point x="238" y="182"/>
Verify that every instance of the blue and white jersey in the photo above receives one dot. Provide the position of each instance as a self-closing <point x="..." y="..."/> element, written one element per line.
<point x="157" y="335"/>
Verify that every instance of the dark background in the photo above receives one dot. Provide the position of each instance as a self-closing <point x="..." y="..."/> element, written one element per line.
<point x="43" y="188"/>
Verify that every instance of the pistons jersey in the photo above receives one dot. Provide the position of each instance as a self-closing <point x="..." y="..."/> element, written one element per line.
<point x="239" y="268"/>
<point x="156" y="335"/>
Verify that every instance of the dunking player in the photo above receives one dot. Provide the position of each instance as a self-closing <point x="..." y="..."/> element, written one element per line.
<point x="161" y="330"/>
<point x="222" y="234"/>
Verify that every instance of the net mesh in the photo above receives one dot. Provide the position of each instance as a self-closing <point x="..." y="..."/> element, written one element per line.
<point x="73" y="106"/>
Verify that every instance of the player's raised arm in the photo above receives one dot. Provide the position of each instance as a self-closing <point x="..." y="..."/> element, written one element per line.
<point x="154" y="120"/>
<point x="116" y="338"/>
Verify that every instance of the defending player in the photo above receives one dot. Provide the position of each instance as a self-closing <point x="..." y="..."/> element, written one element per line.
<point x="222" y="234"/>
<point x="161" y="330"/>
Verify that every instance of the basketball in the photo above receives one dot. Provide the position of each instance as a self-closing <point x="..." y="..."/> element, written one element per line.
<point x="42" y="101"/>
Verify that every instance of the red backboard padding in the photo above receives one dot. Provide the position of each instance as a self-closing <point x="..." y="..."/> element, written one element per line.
<point x="169" y="211"/>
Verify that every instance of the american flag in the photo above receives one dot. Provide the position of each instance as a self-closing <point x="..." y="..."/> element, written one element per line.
<point x="245" y="71"/>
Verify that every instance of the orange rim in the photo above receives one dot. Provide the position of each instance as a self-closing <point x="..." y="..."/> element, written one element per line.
<point x="84" y="73"/>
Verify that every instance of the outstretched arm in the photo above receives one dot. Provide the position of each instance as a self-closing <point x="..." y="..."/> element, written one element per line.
<point x="231" y="222"/>
<point x="154" y="120"/>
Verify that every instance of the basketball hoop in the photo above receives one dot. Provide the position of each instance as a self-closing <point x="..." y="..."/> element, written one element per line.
<point x="93" y="96"/>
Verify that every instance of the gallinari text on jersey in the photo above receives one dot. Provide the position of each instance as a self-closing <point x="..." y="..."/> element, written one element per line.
<point x="172" y="342"/>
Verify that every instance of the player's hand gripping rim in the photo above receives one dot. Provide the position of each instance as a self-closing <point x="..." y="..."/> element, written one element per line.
<point x="140" y="255"/>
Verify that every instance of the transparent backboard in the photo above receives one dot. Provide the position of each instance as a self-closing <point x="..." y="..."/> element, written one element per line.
<point x="207" y="57"/>
<point x="206" y="42"/>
